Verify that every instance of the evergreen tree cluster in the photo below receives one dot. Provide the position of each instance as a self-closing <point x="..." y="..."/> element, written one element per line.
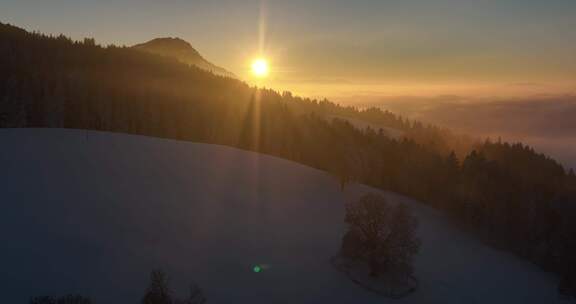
<point x="510" y="195"/>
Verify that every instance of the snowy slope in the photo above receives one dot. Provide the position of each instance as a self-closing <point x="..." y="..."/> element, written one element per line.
<point x="94" y="212"/>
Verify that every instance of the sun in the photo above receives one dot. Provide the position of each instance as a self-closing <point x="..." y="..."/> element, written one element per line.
<point x="260" y="68"/>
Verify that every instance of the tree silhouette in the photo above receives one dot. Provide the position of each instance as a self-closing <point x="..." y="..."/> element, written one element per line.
<point x="69" y="299"/>
<point x="381" y="233"/>
<point x="158" y="291"/>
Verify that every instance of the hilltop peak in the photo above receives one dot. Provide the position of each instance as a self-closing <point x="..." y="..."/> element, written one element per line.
<point x="174" y="43"/>
<point x="183" y="51"/>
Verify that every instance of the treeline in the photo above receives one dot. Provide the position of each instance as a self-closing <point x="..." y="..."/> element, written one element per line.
<point x="157" y="292"/>
<point x="512" y="196"/>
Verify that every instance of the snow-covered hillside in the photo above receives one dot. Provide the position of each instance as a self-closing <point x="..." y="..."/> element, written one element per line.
<point x="94" y="213"/>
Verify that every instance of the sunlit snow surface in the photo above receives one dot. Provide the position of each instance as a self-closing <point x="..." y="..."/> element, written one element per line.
<point x="94" y="213"/>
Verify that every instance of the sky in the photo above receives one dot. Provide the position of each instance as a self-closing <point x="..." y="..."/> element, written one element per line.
<point x="340" y="49"/>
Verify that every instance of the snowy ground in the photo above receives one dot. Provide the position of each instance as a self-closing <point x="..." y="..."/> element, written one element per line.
<point x="93" y="213"/>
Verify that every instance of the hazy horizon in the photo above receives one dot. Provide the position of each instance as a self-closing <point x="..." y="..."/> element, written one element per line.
<point x="544" y="122"/>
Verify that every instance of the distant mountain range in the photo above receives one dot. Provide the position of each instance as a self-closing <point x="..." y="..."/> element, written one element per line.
<point x="183" y="52"/>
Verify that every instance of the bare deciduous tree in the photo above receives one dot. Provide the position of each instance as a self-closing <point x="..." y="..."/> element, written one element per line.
<point x="381" y="233"/>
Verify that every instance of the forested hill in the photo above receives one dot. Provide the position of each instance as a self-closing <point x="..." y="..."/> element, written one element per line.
<point x="507" y="193"/>
<point x="183" y="52"/>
